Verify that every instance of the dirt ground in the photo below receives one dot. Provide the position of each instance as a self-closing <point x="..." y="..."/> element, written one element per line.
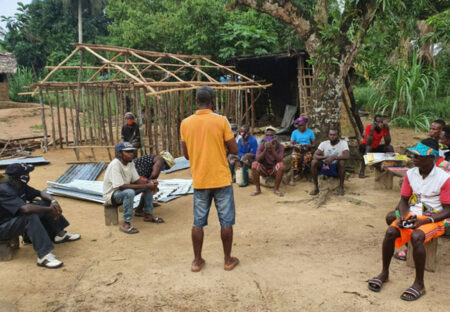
<point x="294" y="257"/>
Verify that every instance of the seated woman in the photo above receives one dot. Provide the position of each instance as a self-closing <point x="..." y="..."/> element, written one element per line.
<point x="302" y="139"/>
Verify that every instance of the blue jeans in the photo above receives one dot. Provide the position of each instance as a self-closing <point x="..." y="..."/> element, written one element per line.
<point x="126" y="197"/>
<point x="224" y="201"/>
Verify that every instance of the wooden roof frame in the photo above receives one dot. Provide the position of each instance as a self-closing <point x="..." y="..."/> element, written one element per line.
<point x="139" y="63"/>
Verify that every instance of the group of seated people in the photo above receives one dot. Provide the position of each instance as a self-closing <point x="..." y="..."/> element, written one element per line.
<point x="266" y="158"/>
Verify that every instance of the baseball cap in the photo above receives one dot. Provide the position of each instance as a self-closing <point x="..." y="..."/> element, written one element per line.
<point x="16" y="170"/>
<point x="124" y="146"/>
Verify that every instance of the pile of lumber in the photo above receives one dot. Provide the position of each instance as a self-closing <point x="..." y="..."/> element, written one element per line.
<point x="19" y="146"/>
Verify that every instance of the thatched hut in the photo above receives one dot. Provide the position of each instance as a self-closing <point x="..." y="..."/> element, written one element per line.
<point x="8" y="65"/>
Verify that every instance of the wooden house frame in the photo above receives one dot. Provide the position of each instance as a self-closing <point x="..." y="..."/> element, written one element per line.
<point x="157" y="87"/>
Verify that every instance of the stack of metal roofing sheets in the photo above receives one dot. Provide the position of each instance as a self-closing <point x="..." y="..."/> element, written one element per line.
<point x="180" y="164"/>
<point x="93" y="190"/>
<point x="23" y="160"/>
<point x="88" y="172"/>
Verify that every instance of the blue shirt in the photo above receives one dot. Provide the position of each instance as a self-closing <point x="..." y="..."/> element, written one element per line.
<point x="302" y="138"/>
<point x="250" y="147"/>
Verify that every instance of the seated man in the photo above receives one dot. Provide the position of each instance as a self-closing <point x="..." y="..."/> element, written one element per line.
<point x="420" y="222"/>
<point x="41" y="222"/>
<point x="302" y="141"/>
<point x="269" y="161"/>
<point x="372" y="139"/>
<point x="122" y="183"/>
<point x="149" y="167"/>
<point x="330" y="159"/>
<point x="436" y="129"/>
<point x="247" y="147"/>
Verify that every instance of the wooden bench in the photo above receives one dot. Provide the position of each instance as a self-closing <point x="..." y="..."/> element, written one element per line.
<point x="111" y="214"/>
<point x="384" y="176"/>
<point x="431" y="251"/>
<point x="7" y="248"/>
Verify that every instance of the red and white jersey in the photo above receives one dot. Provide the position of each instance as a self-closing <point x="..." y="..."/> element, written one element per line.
<point x="431" y="192"/>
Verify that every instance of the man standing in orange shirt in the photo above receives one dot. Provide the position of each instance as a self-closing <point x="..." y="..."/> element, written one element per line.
<point x="205" y="137"/>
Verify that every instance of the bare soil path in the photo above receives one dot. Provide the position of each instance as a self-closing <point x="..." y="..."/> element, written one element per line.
<point x="293" y="257"/>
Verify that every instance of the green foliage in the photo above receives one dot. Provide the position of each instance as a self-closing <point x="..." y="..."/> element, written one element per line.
<point x="441" y="25"/>
<point x="409" y="93"/>
<point x="363" y="94"/>
<point x="23" y="77"/>
<point x="41" y="32"/>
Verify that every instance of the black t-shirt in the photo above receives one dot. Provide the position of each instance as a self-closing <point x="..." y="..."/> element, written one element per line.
<point x="144" y="165"/>
<point x="11" y="200"/>
<point x="130" y="134"/>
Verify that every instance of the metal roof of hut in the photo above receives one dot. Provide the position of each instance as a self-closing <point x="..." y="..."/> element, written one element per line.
<point x="8" y="63"/>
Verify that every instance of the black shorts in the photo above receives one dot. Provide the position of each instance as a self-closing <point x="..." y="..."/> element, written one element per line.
<point x="379" y="149"/>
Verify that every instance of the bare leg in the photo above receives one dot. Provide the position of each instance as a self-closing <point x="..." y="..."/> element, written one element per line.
<point x="341" y="172"/>
<point x="278" y="178"/>
<point x="315" y="175"/>
<point x="226" y="233"/>
<point x="256" y="174"/>
<point x="362" y="173"/>
<point x="388" y="250"/>
<point x="197" y="243"/>
<point x="419" y="255"/>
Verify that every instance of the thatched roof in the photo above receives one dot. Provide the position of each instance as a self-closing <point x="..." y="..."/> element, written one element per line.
<point x="8" y="63"/>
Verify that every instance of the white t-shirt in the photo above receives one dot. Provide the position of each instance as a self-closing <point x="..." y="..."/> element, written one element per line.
<point x="117" y="175"/>
<point x="333" y="150"/>
<point x="430" y="193"/>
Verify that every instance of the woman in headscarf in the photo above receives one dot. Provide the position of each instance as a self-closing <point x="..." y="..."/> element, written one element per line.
<point x="302" y="139"/>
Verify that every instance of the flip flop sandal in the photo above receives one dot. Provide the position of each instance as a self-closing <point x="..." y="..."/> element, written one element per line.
<point x="401" y="255"/>
<point x="412" y="294"/>
<point x="375" y="284"/>
<point x="129" y="230"/>
<point x="154" y="220"/>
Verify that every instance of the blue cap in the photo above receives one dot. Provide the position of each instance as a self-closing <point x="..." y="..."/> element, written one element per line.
<point x="124" y="146"/>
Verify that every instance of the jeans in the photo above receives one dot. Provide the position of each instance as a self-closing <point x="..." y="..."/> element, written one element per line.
<point x="126" y="198"/>
<point x="224" y="201"/>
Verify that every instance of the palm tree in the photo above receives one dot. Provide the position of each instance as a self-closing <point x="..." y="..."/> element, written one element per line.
<point x="90" y="5"/>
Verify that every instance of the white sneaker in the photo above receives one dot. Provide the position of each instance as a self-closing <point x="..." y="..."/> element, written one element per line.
<point x="49" y="261"/>
<point x="67" y="237"/>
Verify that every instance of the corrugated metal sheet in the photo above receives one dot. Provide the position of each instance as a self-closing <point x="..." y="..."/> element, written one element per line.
<point x="180" y="164"/>
<point x="24" y="160"/>
<point x="88" y="172"/>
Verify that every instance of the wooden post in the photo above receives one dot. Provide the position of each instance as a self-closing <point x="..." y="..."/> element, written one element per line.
<point x="77" y="102"/>
<point x="252" y="102"/>
<point x="108" y="108"/>
<point x="102" y="119"/>
<point x="44" y="124"/>
<point x="59" y="118"/>
<point x="246" y="109"/>
<point x="148" y="123"/>
<point x="53" y="118"/>
<point x="116" y="112"/>
<point x="163" y="117"/>
<point x="89" y="114"/>
<point x="155" y="123"/>
<point x="85" y="113"/>
<point x="66" y="124"/>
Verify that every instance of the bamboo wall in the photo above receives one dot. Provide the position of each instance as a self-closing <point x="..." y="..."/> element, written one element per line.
<point x="95" y="116"/>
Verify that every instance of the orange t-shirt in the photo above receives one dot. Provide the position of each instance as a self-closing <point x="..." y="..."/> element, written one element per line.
<point x="205" y="134"/>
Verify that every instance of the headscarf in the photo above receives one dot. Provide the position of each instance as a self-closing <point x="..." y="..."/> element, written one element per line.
<point x="300" y="119"/>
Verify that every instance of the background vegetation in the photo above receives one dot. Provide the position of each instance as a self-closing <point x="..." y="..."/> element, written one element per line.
<point x="403" y="68"/>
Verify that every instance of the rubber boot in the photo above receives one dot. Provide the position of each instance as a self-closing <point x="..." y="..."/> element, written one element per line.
<point x="244" y="181"/>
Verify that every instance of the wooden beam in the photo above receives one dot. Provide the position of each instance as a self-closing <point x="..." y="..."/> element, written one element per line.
<point x="103" y="67"/>
<point x="194" y="67"/>
<point x="156" y="65"/>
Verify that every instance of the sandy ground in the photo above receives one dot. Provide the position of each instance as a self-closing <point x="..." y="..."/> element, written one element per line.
<point x="294" y="257"/>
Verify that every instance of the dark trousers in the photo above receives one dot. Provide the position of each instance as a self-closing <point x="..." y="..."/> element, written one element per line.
<point x="31" y="225"/>
<point x="51" y="226"/>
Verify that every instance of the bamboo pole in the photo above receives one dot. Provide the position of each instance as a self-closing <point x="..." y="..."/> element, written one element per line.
<point x="103" y="67"/>
<point x="65" y="117"/>
<point x="53" y="118"/>
<point x="77" y="104"/>
<point x="72" y="123"/>
<point x="102" y="110"/>
<point x="44" y="124"/>
<point x="59" y="119"/>
<point x="116" y="112"/>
